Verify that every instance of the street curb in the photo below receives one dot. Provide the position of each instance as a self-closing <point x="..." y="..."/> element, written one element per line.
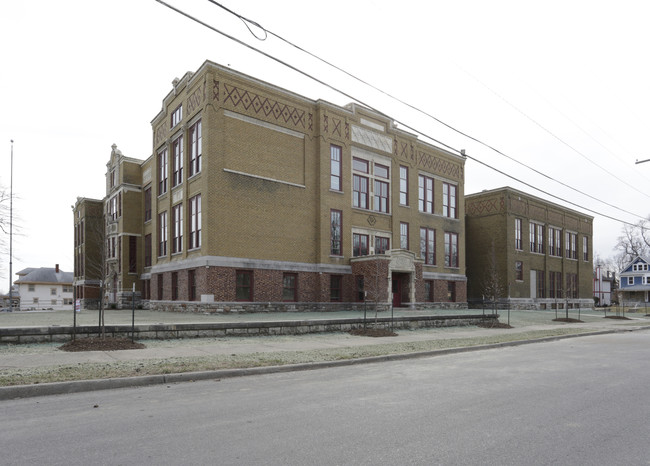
<point x="60" y="388"/>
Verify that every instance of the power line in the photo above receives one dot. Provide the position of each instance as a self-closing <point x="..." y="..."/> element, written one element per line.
<point x="329" y="86"/>
<point x="246" y="21"/>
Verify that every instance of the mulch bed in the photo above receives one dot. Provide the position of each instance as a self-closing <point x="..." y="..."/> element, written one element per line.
<point x="373" y="332"/>
<point x="569" y="320"/>
<point x="101" y="344"/>
<point x="617" y="317"/>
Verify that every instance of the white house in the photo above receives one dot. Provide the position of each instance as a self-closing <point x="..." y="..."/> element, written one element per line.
<point x="44" y="288"/>
<point x="603" y="286"/>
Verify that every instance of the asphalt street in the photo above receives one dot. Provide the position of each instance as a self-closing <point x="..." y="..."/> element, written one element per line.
<point x="574" y="401"/>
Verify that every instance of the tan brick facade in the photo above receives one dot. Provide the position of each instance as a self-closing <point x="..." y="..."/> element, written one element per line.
<point x="512" y="239"/>
<point x="269" y="188"/>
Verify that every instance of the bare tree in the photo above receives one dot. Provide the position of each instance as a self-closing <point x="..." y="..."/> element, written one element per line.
<point x="634" y="241"/>
<point x="96" y="269"/>
<point x="493" y="285"/>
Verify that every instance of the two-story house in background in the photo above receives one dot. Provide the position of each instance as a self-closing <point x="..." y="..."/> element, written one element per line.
<point x="635" y="281"/>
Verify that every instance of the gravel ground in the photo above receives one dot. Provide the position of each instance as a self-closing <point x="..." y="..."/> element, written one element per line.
<point x="428" y="340"/>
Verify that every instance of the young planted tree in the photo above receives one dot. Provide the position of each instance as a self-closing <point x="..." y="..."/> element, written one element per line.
<point x="493" y="285"/>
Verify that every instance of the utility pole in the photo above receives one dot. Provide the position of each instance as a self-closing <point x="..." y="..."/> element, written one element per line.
<point x="11" y="227"/>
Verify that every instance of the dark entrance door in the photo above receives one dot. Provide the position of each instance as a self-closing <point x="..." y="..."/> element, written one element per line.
<point x="397" y="290"/>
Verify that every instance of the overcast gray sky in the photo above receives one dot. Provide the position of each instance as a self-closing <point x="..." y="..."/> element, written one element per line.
<point x="560" y="85"/>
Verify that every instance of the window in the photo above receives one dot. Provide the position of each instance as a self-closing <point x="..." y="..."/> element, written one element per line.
<point x="541" y="288"/>
<point x="35" y="300"/>
<point x="571" y="245"/>
<point x="518" y="234"/>
<point x="174" y="286"/>
<point x="177" y="116"/>
<point x="162" y="172"/>
<point x="451" y="249"/>
<point x="403" y="185"/>
<point x="191" y="285"/>
<point x="425" y="194"/>
<point x="554" y="242"/>
<point x="336" y="282"/>
<point x="31" y="287"/>
<point x="519" y="271"/>
<point x="571" y="285"/>
<point x="147" y="250"/>
<point x="195" y="149"/>
<point x="289" y="286"/>
<point x="381" y="188"/>
<point x="195" y="222"/>
<point x="177" y="165"/>
<point x="630" y="280"/>
<point x="133" y="254"/>
<point x="160" y="286"/>
<point x="449" y="200"/>
<point x="381" y="245"/>
<point x="555" y="284"/>
<point x="428" y="290"/>
<point x="162" y="234"/>
<point x="404" y="235"/>
<point x="585" y="248"/>
<point x="428" y="245"/>
<point x="335" y="167"/>
<point x="536" y="238"/>
<point x="177" y="232"/>
<point x="360" y="184"/>
<point x="359" y="245"/>
<point x="112" y="208"/>
<point x="53" y="291"/>
<point x="336" y="222"/>
<point x="147" y="203"/>
<point x="244" y="285"/>
<point x="451" y="292"/>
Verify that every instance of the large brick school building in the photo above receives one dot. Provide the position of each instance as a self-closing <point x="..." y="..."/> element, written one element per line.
<point x="256" y="198"/>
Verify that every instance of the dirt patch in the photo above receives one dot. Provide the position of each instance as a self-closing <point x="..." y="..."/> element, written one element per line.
<point x="568" y="320"/>
<point x="101" y="344"/>
<point x="373" y="332"/>
<point x="494" y="324"/>
<point x="618" y="317"/>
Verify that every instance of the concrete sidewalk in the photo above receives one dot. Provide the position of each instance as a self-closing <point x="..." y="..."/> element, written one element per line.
<point x="48" y="355"/>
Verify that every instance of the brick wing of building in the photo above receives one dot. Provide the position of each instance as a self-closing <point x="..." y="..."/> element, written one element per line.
<point x="255" y="198"/>
<point x="527" y="252"/>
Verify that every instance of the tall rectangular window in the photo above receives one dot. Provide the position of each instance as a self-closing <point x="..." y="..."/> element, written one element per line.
<point x="336" y="283"/>
<point x="449" y="202"/>
<point x="177" y="168"/>
<point x="360" y="192"/>
<point x="163" y="172"/>
<point x="571" y="245"/>
<point x="191" y="285"/>
<point x="359" y="245"/>
<point x="160" y="286"/>
<point x="176" y="116"/>
<point x="451" y="249"/>
<point x="403" y="185"/>
<point x="518" y="245"/>
<point x="554" y="242"/>
<point x="425" y="194"/>
<point x="289" y="286"/>
<point x="177" y="233"/>
<point x="571" y="285"/>
<point x="541" y="285"/>
<point x="195" y="148"/>
<point x="381" y="245"/>
<point x="174" y="286"/>
<point x="244" y="285"/>
<point x="585" y="248"/>
<point x="536" y="238"/>
<point x="381" y="201"/>
<point x="147" y="250"/>
<point x="133" y="254"/>
<point x="336" y="223"/>
<point x="404" y="235"/>
<point x="428" y="245"/>
<point x="335" y="167"/>
<point x="555" y="284"/>
<point x="195" y="222"/>
<point x="162" y="234"/>
<point x="147" y="203"/>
